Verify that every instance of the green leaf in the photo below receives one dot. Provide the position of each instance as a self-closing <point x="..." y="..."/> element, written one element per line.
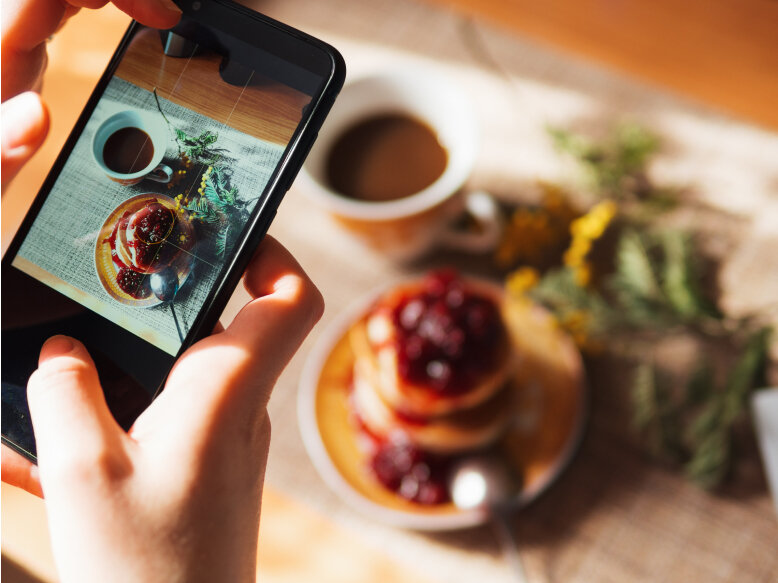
<point x="639" y="296"/>
<point x="710" y="420"/>
<point x="221" y="240"/>
<point x="634" y="268"/>
<point x="678" y="280"/>
<point x="213" y="197"/>
<point x="700" y="387"/>
<point x="634" y="145"/>
<point x="711" y="460"/>
<point x="570" y="143"/>
<point x="710" y="433"/>
<point x="747" y="372"/>
<point x="207" y="138"/>
<point x="644" y="400"/>
<point x="558" y="291"/>
<point x="616" y="165"/>
<point x="655" y="415"/>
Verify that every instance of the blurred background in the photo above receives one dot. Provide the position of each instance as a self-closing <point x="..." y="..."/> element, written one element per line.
<point x="699" y="77"/>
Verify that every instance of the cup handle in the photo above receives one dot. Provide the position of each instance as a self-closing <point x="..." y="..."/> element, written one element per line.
<point x="483" y="208"/>
<point x="161" y="173"/>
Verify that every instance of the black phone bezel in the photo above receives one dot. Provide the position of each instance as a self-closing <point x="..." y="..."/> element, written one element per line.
<point x="290" y="44"/>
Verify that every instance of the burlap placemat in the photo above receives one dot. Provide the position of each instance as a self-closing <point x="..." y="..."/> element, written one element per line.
<point x="613" y="516"/>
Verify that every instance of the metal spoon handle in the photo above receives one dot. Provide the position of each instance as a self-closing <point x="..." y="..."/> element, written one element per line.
<point x="507" y="540"/>
<point x="175" y="319"/>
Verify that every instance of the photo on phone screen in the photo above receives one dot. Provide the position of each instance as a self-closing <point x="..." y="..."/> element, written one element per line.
<point x="162" y="180"/>
<point x="152" y="210"/>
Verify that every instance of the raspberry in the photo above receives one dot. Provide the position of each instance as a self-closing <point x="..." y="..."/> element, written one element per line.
<point x="154" y="223"/>
<point x="133" y="283"/>
<point x="413" y="474"/>
<point x="446" y="334"/>
<point x="146" y="255"/>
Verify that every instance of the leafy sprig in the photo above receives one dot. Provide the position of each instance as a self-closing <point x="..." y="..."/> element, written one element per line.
<point x="657" y="281"/>
<point x="695" y="427"/>
<point x="654" y="286"/>
<point x="218" y="206"/>
<point x="200" y="148"/>
<point x="616" y="165"/>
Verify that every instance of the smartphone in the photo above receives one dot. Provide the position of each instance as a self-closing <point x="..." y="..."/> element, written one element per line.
<point x="165" y="187"/>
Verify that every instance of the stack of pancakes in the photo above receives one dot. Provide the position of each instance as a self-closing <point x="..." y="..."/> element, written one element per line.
<point x="469" y="411"/>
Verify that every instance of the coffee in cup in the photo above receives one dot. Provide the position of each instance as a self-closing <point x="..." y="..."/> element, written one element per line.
<point x="129" y="147"/>
<point x="392" y="160"/>
<point x="364" y="162"/>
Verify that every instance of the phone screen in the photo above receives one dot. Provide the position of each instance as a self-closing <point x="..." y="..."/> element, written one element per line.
<point x="161" y="183"/>
<point x="137" y="227"/>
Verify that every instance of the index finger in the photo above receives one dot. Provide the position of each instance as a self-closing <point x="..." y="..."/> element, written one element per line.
<point x="29" y="23"/>
<point x="153" y="13"/>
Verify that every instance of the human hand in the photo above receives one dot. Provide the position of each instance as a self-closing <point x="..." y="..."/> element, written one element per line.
<point x="178" y="497"/>
<point x="26" y="26"/>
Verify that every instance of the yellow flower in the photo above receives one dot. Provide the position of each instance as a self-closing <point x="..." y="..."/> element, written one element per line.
<point x="584" y="231"/>
<point x="583" y="274"/>
<point x="577" y="252"/>
<point x="522" y="280"/>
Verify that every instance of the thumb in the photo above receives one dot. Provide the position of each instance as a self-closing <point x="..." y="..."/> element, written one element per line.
<point x="74" y="430"/>
<point x="25" y="125"/>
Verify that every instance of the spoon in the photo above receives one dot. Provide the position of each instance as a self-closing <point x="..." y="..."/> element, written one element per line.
<point x="483" y="482"/>
<point x="164" y="284"/>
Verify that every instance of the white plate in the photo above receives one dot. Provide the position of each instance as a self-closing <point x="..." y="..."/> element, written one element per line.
<point x="419" y="518"/>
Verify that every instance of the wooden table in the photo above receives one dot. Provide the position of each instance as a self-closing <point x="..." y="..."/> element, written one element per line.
<point x="614" y="516"/>
<point x="721" y="52"/>
<point x="263" y="108"/>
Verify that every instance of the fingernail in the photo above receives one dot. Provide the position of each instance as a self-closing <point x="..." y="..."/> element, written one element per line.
<point x="26" y="109"/>
<point x="56" y="346"/>
<point x="170" y="5"/>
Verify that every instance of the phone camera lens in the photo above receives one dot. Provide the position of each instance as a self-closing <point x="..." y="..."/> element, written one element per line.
<point x="196" y="5"/>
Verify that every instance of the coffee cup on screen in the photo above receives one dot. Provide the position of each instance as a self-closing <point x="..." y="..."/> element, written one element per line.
<point x="391" y="162"/>
<point x="129" y="147"/>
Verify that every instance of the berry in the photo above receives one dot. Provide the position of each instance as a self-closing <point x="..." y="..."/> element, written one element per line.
<point x="133" y="283"/>
<point x="145" y="255"/>
<point x="413" y="474"/>
<point x="446" y="335"/>
<point x="153" y="223"/>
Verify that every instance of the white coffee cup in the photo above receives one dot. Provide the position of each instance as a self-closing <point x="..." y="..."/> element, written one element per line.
<point x="154" y="127"/>
<point x="408" y="227"/>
